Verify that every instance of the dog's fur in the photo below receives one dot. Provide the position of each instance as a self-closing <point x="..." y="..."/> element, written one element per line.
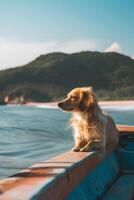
<point x="94" y="129"/>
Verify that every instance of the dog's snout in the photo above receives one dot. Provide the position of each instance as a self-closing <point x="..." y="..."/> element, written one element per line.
<point x="60" y="104"/>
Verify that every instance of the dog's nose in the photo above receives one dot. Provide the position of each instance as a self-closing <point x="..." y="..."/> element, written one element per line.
<point x="60" y="104"/>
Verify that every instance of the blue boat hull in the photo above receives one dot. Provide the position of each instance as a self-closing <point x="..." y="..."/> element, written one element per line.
<point x="113" y="178"/>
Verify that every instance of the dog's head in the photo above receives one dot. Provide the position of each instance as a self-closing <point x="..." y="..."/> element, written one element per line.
<point x="78" y="99"/>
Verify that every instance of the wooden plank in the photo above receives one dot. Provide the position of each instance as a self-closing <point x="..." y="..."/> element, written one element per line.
<point x="125" y="128"/>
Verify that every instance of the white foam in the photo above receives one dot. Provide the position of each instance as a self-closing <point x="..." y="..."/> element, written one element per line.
<point x="118" y="107"/>
<point x="46" y="106"/>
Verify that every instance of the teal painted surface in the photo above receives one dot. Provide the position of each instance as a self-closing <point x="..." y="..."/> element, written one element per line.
<point x="125" y="153"/>
<point x="97" y="182"/>
<point x="112" y="179"/>
<point x="122" y="190"/>
<point x="126" y="160"/>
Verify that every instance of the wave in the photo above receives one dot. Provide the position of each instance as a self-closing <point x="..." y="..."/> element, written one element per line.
<point x="46" y="106"/>
<point x="118" y="107"/>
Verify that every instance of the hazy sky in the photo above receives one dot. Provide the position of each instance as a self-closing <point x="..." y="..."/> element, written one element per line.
<point x="29" y="28"/>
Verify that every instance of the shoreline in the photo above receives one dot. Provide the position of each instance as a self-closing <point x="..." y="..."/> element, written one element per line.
<point x="101" y="103"/>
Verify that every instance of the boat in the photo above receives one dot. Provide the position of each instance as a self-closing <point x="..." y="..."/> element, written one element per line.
<point x="78" y="175"/>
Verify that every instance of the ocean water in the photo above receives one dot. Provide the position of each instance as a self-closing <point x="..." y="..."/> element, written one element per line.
<point x="33" y="134"/>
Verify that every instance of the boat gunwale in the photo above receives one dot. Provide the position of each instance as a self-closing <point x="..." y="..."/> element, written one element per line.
<point x="40" y="181"/>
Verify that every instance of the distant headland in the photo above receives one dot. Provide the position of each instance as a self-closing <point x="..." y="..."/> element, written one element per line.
<point x="49" y="77"/>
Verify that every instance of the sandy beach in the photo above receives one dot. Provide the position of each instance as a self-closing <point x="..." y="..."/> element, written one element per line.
<point x="101" y="103"/>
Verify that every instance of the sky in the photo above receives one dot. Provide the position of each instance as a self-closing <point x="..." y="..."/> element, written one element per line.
<point x="29" y="28"/>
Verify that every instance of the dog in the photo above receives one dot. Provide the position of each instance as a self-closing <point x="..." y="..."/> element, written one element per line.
<point x="94" y="129"/>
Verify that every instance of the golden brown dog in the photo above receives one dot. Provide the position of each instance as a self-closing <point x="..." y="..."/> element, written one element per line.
<point x="93" y="128"/>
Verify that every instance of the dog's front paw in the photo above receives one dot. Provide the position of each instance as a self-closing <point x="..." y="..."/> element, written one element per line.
<point x="85" y="149"/>
<point x="76" y="149"/>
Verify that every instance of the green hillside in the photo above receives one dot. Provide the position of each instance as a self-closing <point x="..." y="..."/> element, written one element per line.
<point x="50" y="76"/>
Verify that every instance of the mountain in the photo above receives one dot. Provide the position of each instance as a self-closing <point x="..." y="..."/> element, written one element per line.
<point x="49" y="77"/>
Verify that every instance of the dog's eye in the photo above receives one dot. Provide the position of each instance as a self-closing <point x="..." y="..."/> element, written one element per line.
<point x="73" y="97"/>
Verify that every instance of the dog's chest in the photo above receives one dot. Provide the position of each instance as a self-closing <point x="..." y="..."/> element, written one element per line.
<point x="84" y="132"/>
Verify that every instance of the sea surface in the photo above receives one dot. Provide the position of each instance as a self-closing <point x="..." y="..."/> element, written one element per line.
<point x="33" y="134"/>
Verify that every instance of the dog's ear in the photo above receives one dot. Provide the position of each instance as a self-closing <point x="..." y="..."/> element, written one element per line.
<point x="88" y="99"/>
<point x="84" y="100"/>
